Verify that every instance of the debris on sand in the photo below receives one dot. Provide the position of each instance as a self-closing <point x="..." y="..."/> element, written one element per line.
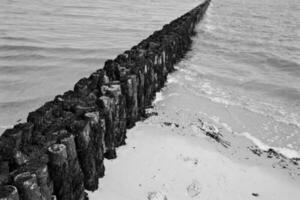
<point x="194" y="189"/>
<point x="281" y="161"/>
<point x="156" y="196"/>
<point x="171" y="124"/>
<point x="213" y="132"/>
<point x="255" y="194"/>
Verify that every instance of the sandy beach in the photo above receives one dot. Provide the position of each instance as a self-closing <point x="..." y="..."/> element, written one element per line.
<point x="225" y="126"/>
<point x="171" y="156"/>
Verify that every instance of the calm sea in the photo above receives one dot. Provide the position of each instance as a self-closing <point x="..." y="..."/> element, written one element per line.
<point x="246" y="56"/>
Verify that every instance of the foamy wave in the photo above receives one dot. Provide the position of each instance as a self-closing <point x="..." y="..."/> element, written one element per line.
<point x="220" y="96"/>
<point x="187" y="71"/>
<point x="221" y="101"/>
<point x="289" y="153"/>
<point x="276" y="113"/>
<point x="159" y="97"/>
<point x="188" y="78"/>
<point x="208" y="24"/>
<point x="173" y="94"/>
<point x="172" y="79"/>
<point x="217" y="120"/>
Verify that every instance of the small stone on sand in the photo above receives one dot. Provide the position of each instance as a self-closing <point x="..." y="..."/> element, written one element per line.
<point x="156" y="196"/>
<point x="255" y="194"/>
<point x="194" y="189"/>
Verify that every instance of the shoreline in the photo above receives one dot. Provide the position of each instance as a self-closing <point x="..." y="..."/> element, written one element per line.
<point x="175" y="149"/>
<point x="169" y="156"/>
<point x="59" y="152"/>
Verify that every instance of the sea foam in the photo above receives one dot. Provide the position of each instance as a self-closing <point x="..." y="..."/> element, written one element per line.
<point x="289" y="153"/>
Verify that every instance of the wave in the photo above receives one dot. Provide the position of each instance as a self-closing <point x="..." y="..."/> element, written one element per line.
<point x="159" y="97"/>
<point x="6" y="48"/>
<point x="26" y="57"/>
<point x="22" y="39"/>
<point x="231" y="97"/>
<point x="272" y="89"/>
<point x="80" y="16"/>
<point x="284" y="64"/>
<point x="278" y="62"/>
<point x="89" y="60"/>
<point x="82" y="7"/>
<point x="25" y="68"/>
<point x="23" y="103"/>
<point x="273" y="112"/>
<point x="287" y="152"/>
<point x="32" y="57"/>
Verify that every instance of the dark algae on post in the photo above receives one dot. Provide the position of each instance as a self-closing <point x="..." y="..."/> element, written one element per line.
<point x="58" y="153"/>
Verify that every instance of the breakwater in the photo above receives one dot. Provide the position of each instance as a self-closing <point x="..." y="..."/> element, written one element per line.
<point x="58" y="153"/>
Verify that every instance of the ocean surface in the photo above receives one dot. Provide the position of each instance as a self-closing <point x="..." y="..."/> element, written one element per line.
<point x="246" y="57"/>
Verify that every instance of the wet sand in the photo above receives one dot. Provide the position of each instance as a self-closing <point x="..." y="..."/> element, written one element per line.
<point x="170" y="155"/>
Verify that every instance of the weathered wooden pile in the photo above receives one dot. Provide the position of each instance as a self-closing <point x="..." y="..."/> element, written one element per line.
<point x="59" y="151"/>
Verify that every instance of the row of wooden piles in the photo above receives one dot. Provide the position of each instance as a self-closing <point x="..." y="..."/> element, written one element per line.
<point x="58" y="153"/>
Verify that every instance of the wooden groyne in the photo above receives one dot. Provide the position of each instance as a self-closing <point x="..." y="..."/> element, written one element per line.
<point x="58" y="153"/>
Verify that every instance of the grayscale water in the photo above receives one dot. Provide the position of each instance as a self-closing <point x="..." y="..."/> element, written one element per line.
<point x="246" y="56"/>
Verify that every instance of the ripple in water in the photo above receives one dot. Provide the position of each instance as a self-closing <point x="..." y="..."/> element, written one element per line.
<point x="245" y="57"/>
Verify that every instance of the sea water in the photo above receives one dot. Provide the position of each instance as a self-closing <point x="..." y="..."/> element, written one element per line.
<point x="245" y="58"/>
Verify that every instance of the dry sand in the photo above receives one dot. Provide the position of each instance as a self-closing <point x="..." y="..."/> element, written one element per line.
<point x="169" y="156"/>
<point x="156" y="159"/>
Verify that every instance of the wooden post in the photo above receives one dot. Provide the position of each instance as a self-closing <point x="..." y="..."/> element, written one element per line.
<point x="58" y="166"/>
<point x="26" y="183"/>
<point x="8" y="192"/>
